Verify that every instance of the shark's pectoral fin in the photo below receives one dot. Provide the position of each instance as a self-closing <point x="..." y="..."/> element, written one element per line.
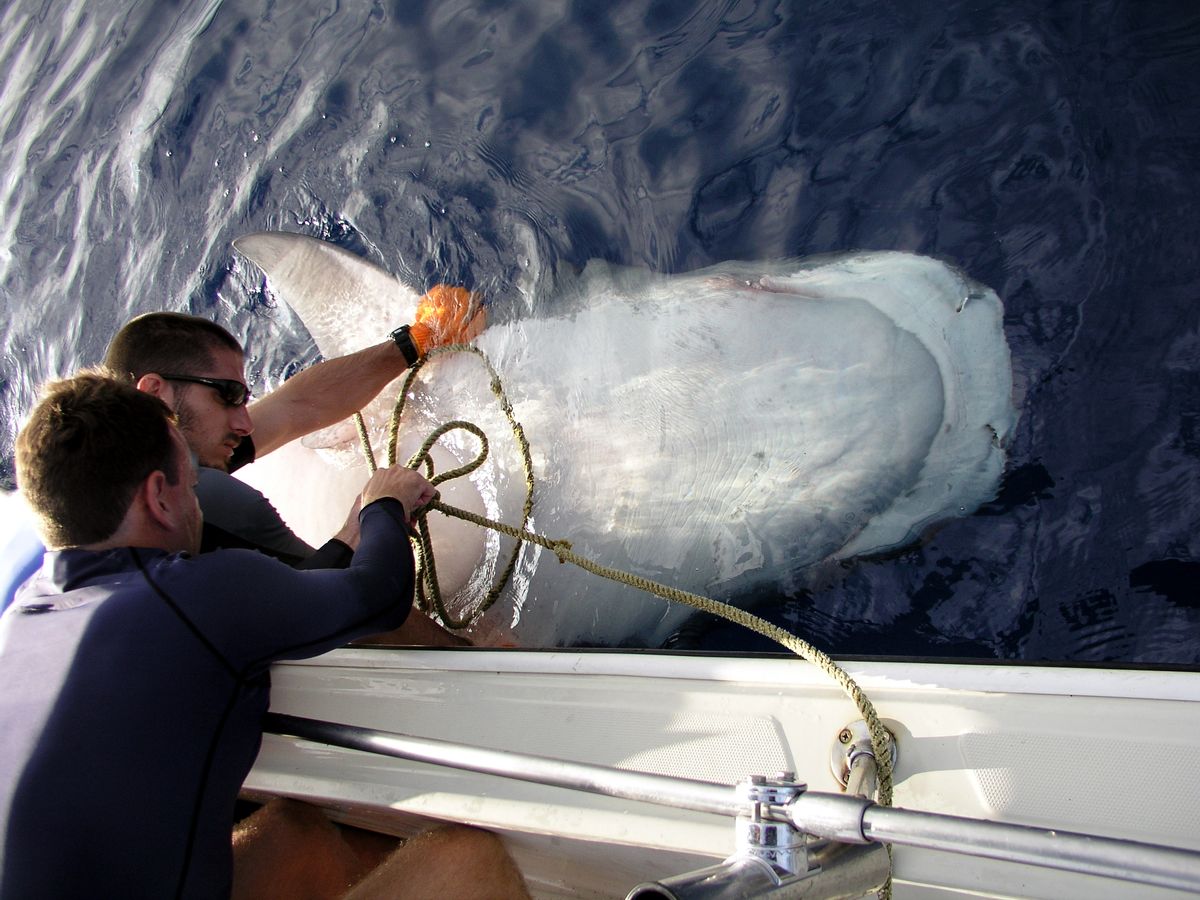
<point x="339" y="296"/>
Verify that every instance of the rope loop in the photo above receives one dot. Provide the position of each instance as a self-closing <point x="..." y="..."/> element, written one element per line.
<point x="429" y="592"/>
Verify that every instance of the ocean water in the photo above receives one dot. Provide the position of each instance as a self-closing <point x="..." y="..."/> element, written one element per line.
<point x="1051" y="150"/>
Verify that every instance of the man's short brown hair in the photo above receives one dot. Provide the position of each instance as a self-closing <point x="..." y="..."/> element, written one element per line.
<point x="166" y="342"/>
<point x="88" y="445"/>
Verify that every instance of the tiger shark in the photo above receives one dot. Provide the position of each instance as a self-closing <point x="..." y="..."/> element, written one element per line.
<point x="725" y="431"/>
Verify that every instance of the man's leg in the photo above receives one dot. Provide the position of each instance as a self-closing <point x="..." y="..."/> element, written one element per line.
<point x="289" y="850"/>
<point x="453" y="861"/>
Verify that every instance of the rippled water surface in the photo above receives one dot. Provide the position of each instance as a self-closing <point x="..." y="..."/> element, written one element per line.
<point x="1049" y="149"/>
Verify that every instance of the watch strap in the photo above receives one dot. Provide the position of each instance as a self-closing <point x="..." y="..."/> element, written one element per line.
<point x="407" y="345"/>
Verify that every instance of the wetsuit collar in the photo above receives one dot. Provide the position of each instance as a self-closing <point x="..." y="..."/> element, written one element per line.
<point x="66" y="570"/>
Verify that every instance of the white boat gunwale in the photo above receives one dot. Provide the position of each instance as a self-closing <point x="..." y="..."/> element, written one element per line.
<point x="965" y="729"/>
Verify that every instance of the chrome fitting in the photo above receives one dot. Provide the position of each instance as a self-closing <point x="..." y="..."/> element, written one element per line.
<point x="852" y="759"/>
<point x="766" y="832"/>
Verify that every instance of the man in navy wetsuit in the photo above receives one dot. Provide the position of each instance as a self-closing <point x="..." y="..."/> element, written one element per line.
<point x="135" y="673"/>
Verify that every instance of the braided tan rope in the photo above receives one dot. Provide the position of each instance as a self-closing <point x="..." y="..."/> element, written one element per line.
<point x="429" y="592"/>
<point x="880" y="740"/>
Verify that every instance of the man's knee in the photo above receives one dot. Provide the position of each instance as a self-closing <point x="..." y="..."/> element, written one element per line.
<point x="446" y="861"/>
<point x="285" y="820"/>
<point x="289" y="849"/>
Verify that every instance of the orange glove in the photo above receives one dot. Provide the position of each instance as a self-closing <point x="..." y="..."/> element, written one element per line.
<point x="447" y="315"/>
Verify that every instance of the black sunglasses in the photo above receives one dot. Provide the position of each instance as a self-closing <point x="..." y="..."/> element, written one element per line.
<point x="233" y="393"/>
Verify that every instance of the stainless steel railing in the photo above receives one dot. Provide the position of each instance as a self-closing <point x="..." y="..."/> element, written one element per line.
<point x="836" y="817"/>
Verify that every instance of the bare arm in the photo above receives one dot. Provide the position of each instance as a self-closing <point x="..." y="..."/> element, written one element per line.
<point x="324" y="394"/>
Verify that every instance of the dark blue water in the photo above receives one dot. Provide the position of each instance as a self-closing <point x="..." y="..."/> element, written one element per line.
<point x="1050" y="149"/>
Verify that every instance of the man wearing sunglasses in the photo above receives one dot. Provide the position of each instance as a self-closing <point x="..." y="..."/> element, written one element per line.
<point x="196" y="364"/>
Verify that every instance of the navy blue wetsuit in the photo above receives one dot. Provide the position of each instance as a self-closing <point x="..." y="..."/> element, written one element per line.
<point x="135" y="682"/>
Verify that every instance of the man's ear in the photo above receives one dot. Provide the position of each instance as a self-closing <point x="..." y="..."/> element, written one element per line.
<point x="154" y="494"/>
<point x="154" y="384"/>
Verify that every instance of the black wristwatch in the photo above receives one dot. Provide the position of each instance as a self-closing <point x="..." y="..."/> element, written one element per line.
<point x="406" y="344"/>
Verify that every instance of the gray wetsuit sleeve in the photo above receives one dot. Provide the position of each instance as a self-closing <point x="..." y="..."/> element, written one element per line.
<point x="237" y="515"/>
